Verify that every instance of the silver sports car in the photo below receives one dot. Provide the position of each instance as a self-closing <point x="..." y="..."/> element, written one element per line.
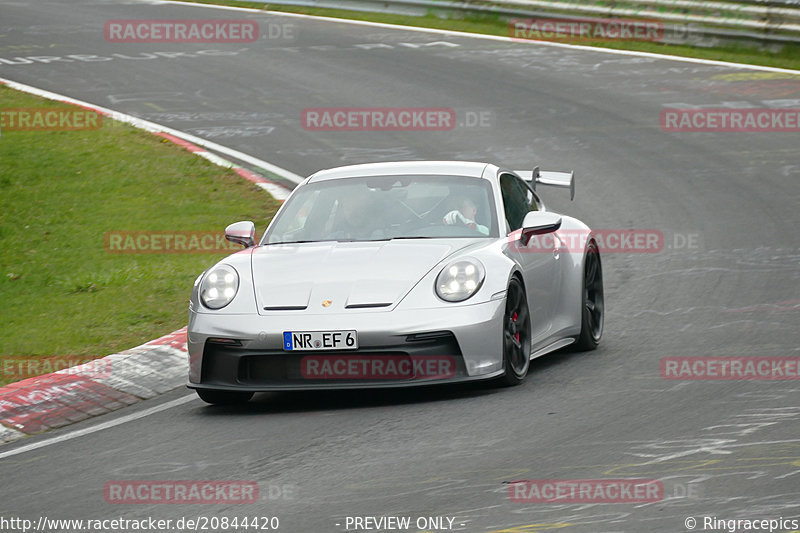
<point x="396" y="274"/>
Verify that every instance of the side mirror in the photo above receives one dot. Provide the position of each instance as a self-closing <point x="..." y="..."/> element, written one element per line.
<point x="539" y="223"/>
<point x="243" y="233"/>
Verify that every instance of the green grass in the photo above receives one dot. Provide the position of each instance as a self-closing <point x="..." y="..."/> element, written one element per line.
<point x="788" y="57"/>
<point x="61" y="291"/>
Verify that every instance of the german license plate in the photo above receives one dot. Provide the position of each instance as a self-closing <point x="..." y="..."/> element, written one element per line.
<point x="320" y="340"/>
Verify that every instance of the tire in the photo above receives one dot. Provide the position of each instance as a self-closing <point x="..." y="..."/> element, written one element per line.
<point x="516" y="336"/>
<point x="224" y="397"/>
<point x="593" y="302"/>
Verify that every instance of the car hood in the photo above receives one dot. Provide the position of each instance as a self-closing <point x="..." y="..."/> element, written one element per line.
<point x="325" y="276"/>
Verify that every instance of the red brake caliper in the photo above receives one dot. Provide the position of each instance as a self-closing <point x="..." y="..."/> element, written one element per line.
<point x="514" y="320"/>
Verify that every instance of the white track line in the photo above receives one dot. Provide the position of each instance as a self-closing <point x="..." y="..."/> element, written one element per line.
<point x="154" y="128"/>
<point x="99" y="427"/>
<point x="491" y="37"/>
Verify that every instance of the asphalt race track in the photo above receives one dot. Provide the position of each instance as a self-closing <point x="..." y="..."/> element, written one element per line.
<point x="726" y="283"/>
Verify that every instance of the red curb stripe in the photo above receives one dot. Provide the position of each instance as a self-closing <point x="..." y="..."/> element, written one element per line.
<point x="242" y="172"/>
<point x="13" y="385"/>
<point x="87" y="108"/>
<point x="176" y="339"/>
<point x="255" y="178"/>
<point x="32" y="410"/>
<point x="55" y="400"/>
<point x="180" y="142"/>
<point x="250" y="176"/>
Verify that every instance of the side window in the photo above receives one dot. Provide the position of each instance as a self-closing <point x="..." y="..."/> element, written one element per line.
<point x="518" y="200"/>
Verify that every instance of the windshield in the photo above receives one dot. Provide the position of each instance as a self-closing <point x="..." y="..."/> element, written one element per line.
<point x="387" y="207"/>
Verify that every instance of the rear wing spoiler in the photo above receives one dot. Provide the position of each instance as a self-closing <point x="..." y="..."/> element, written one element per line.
<point x="550" y="177"/>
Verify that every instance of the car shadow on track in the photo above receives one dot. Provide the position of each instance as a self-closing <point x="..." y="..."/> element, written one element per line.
<point x="333" y="400"/>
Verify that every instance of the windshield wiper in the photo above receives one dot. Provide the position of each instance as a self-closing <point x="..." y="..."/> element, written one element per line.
<point x="291" y="242"/>
<point x="353" y="240"/>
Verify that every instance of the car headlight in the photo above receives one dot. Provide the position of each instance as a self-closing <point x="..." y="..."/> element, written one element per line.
<point x="219" y="287"/>
<point x="459" y="280"/>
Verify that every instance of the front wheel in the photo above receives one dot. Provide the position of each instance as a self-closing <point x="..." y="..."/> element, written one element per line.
<point x="593" y="303"/>
<point x="224" y="397"/>
<point x="516" y="335"/>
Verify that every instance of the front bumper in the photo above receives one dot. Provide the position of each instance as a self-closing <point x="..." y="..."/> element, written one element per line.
<point x="462" y="342"/>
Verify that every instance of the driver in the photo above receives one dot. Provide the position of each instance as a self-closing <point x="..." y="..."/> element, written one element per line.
<point x="353" y="218"/>
<point x="465" y="215"/>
